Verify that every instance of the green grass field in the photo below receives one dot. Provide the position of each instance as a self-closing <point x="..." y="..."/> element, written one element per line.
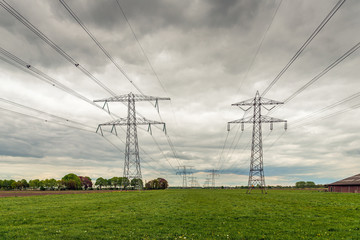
<point x="182" y="214"/>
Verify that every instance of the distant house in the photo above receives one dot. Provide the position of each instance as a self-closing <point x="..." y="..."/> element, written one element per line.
<point x="349" y="185"/>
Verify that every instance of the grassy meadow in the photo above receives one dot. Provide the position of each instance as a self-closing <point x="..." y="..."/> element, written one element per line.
<point x="183" y="214"/>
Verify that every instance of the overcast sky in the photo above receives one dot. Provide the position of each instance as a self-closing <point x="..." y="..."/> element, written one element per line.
<point x="207" y="55"/>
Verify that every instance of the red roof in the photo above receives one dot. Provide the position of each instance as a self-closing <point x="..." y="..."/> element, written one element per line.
<point x="354" y="180"/>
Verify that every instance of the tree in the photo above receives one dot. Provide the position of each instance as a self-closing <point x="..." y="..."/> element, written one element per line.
<point x="310" y="184"/>
<point x="137" y="183"/>
<point x="24" y="184"/>
<point x="300" y="184"/>
<point x="72" y="181"/>
<point x="60" y="184"/>
<point x="115" y="181"/>
<point x="9" y="184"/>
<point x="124" y="182"/>
<point x="16" y="185"/>
<point x="34" y="184"/>
<point x="159" y="183"/>
<point x="101" y="182"/>
<point x="85" y="182"/>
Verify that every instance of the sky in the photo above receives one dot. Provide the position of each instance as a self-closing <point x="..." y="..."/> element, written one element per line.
<point x="203" y="54"/>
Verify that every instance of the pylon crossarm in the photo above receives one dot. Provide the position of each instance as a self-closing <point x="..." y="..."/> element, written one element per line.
<point x="136" y="97"/>
<point x="144" y="121"/>
<point x="265" y="101"/>
<point x="120" y="121"/>
<point x="267" y="119"/>
<point x="249" y="102"/>
<point x="242" y="121"/>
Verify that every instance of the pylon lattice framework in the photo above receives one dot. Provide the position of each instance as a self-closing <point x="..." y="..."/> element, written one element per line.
<point x="132" y="169"/>
<point x="256" y="174"/>
<point x="213" y="174"/>
<point x="184" y="171"/>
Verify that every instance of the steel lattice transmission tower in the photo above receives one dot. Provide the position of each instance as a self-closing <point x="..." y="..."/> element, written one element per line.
<point x="132" y="169"/>
<point x="213" y="174"/>
<point x="184" y="171"/>
<point x="256" y="174"/>
<point x="193" y="182"/>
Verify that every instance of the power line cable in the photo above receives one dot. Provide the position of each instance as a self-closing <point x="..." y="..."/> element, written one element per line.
<point x="307" y="42"/>
<point x="59" y="123"/>
<point x="330" y="115"/>
<point x="259" y="47"/>
<point x="317" y="77"/>
<point x="77" y="19"/>
<point x="140" y="46"/>
<point x="44" y="77"/>
<point x="44" y="119"/>
<point x="43" y="113"/>
<point x="329" y="107"/>
<point x="53" y="45"/>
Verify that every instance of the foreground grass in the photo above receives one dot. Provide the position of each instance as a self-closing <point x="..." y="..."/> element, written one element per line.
<point x="182" y="214"/>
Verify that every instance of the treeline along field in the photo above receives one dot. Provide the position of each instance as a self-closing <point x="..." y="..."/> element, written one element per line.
<point x="183" y="214"/>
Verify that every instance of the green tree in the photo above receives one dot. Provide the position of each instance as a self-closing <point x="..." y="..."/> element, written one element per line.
<point x="24" y="184"/>
<point x="300" y="184"/>
<point x="59" y="184"/>
<point x="34" y="184"/>
<point x="71" y="181"/>
<point x="115" y="181"/>
<point x="124" y="182"/>
<point x="137" y="183"/>
<point x="101" y="182"/>
<point x="9" y="184"/>
<point x="310" y="184"/>
<point x="16" y="185"/>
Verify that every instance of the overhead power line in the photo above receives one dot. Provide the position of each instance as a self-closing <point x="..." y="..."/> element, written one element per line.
<point x="329" y="107"/>
<point x="62" y="122"/>
<point x="77" y="19"/>
<point x="44" y="113"/>
<point x="260" y="45"/>
<point x="44" y="77"/>
<point x="53" y="45"/>
<point x="317" y="77"/>
<point x="307" y="42"/>
<point x="140" y="46"/>
<point x="329" y="115"/>
<point x="47" y="120"/>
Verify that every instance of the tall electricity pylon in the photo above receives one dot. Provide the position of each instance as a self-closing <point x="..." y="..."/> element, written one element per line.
<point x="207" y="183"/>
<point x="132" y="169"/>
<point x="184" y="171"/>
<point x="193" y="182"/>
<point x="213" y="174"/>
<point x="256" y="174"/>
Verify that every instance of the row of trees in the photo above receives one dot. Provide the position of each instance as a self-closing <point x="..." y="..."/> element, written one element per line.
<point x="118" y="183"/>
<point x="73" y="182"/>
<point x="308" y="184"/>
<point x="70" y="182"/>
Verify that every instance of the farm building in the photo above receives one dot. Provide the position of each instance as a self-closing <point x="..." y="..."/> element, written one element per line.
<point x="350" y="185"/>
